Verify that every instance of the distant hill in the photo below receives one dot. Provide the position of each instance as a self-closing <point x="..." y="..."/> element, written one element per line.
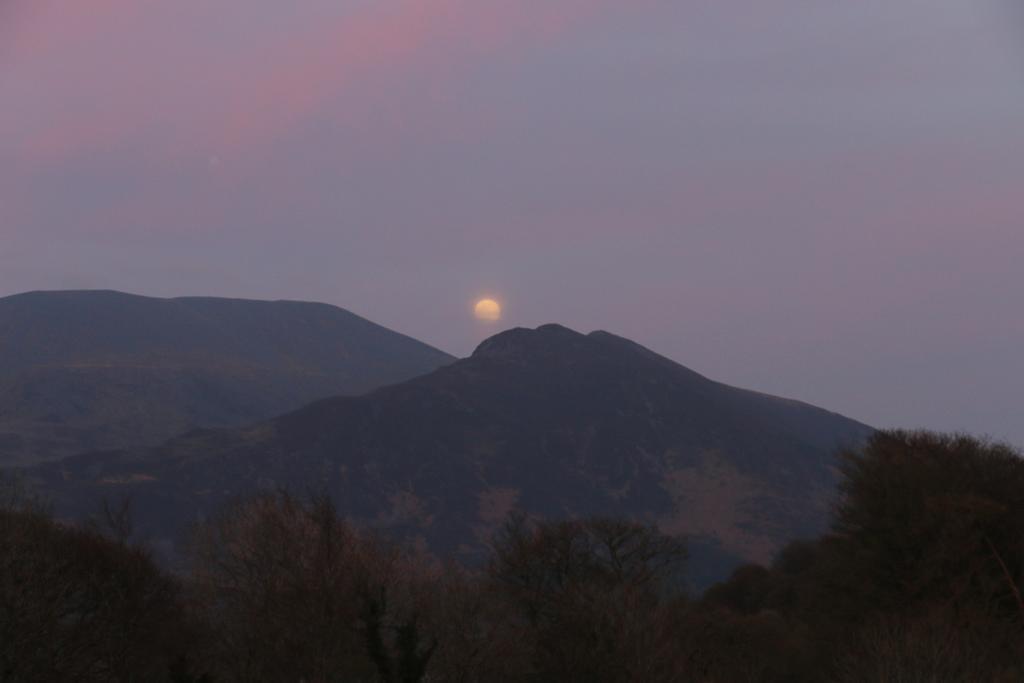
<point x="84" y="370"/>
<point x="546" y="421"/>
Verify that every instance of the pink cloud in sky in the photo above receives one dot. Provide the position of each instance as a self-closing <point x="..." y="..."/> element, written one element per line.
<point x="37" y="27"/>
<point x="114" y="71"/>
<point x="429" y="42"/>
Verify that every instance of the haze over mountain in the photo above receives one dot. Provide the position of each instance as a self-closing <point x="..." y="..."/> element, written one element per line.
<point x="547" y="421"/>
<point x="85" y="370"/>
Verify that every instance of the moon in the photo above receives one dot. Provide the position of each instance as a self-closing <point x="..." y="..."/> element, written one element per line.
<point x="487" y="310"/>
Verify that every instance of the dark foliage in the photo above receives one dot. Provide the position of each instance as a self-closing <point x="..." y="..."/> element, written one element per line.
<point x="293" y="592"/>
<point x="591" y="594"/>
<point x="919" y="581"/>
<point x="927" y="519"/>
<point x="923" y="569"/>
<point x="78" y="606"/>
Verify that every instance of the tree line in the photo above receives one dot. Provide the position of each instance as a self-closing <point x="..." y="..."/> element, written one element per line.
<point x="918" y="580"/>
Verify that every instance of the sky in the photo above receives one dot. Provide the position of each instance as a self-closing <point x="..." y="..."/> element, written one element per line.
<point x="821" y="200"/>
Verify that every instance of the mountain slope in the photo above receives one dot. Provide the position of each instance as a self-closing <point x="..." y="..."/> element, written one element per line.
<point x="85" y="370"/>
<point x="547" y="421"/>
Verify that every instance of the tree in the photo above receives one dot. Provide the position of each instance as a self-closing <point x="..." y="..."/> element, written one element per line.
<point x="478" y="640"/>
<point x="75" y="605"/>
<point x="591" y="593"/>
<point x="294" y="593"/>
<point x="928" y="648"/>
<point x="926" y="548"/>
<point x="929" y="519"/>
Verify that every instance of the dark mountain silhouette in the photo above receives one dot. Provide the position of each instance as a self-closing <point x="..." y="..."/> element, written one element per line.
<point x="548" y="421"/>
<point x="86" y="370"/>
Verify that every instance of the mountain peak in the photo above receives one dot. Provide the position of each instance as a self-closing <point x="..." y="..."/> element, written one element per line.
<point x="518" y="341"/>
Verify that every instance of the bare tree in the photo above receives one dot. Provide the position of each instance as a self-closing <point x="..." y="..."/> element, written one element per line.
<point x="929" y="648"/>
<point x="294" y="593"/>
<point x="591" y="593"/>
<point x="75" y="606"/>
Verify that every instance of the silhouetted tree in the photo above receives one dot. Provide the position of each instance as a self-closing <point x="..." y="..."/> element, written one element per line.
<point x="590" y="591"/>
<point x="294" y="593"/>
<point x="927" y="648"/>
<point x="76" y="606"/>
<point x="919" y="580"/>
<point x="929" y="519"/>
<point x="927" y="542"/>
<point x="479" y="639"/>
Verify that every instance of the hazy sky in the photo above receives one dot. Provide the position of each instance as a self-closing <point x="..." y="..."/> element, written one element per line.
<point x="823" y="200"/>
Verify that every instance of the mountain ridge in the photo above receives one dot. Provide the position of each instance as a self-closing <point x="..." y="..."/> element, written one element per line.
<point x="549" y="422"/>
<point x="97" y="369"/>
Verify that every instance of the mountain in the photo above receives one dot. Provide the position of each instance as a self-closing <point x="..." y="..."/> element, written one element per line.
<point x="85" y="370"/>
<point x="548" y="421"/>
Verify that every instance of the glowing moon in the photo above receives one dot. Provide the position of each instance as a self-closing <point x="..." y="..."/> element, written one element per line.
<point x="487" y="309"/>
